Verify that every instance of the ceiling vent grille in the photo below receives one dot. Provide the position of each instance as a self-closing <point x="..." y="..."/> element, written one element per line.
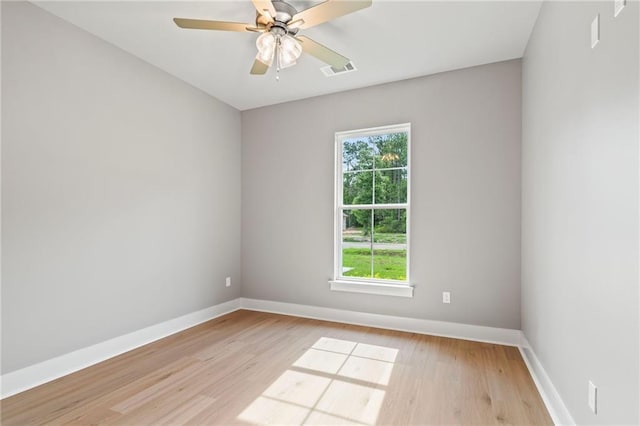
<point x="330" y="71"/>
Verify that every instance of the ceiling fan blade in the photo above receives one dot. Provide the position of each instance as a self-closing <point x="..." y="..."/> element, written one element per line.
<point x="292" y="25"/>
<point x="329" y="10"/>
<point x="323" y="53"/>
<point x="259" y="68"/>
<point x="257" y="29"/>
<point x="199" y="24"/>
<point x="265" y="7"/>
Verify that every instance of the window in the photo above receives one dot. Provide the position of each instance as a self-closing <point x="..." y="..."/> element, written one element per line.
<point x="372" y="211"/>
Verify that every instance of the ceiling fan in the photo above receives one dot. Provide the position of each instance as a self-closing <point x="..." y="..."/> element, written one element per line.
<point x="279" y="23"/>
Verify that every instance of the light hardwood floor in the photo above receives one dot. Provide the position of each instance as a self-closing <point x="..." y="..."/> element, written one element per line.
<point x="254" y="368"/>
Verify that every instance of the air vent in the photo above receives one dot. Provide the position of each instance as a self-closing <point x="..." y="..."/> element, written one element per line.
<point x="330" y="71"/>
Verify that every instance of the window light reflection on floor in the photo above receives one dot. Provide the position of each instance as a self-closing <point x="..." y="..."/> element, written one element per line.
<point x="333" y="382"/>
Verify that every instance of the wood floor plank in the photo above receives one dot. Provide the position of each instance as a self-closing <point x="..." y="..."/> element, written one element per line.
<point x="83" y="413"/>
<point x="251" y="367"/>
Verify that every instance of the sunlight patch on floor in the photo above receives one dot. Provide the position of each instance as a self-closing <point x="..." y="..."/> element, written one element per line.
<point x="267" y="411"/>
<point x="298" y="388"/>
<point x="334" y="345"/>
<point x="368" y="370"/>
<point x="356" y="402"/>
<point x="324" y="361"/>
<point x="380" y="353"/>
<point x="317" y="418"/>
<point x="333" y="382"/>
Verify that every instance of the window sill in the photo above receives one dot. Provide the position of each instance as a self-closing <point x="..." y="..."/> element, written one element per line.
<point x="399" y="290"/>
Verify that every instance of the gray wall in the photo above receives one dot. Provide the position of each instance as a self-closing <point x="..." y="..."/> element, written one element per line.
<point x="580" y="206"/>
<point x="465" y="223"/>
<point x="120" y="191"/>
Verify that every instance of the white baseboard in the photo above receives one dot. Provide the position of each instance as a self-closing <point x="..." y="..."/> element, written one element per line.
<point x="35" y="375"/>
<point x="557" y="410"/>
<point x="547" y="390"/>
<point x="478" y="333"/>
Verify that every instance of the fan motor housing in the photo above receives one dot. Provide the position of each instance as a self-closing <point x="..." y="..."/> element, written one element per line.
<point x="284" y="13"/>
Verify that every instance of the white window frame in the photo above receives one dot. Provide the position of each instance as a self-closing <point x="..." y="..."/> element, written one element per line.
<point x="359" y="284"/>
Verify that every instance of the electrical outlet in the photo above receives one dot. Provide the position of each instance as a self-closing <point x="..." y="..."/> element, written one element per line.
<point x="593" y="397"/>
<point x="228" y="282"/>
<point x="446" y="297"/>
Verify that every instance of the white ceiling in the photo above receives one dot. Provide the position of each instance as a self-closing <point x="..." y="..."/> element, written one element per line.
<point x="391" y="40"/>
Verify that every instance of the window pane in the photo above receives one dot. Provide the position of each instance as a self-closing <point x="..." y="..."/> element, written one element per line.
<point x="390" y="150"/>
<point x="356" y="243"/>
<point x="391" y="186"/>
<point x="372" y="243"/>
<point x="357" y="188"/>
<point x="390" y="244"/>
<point x="357" y="154"/>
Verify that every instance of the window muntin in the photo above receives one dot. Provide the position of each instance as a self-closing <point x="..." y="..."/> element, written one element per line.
<point x="372" y="205"/>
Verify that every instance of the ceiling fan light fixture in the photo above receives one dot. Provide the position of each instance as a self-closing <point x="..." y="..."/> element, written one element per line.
<point x="285" y="60"/>
<point x="285" y="48"/>
<point x="266" y="42"/>
<point x="266" y="57"/>
<point x="290" y="46"/>
<point x="289" y="50"/>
